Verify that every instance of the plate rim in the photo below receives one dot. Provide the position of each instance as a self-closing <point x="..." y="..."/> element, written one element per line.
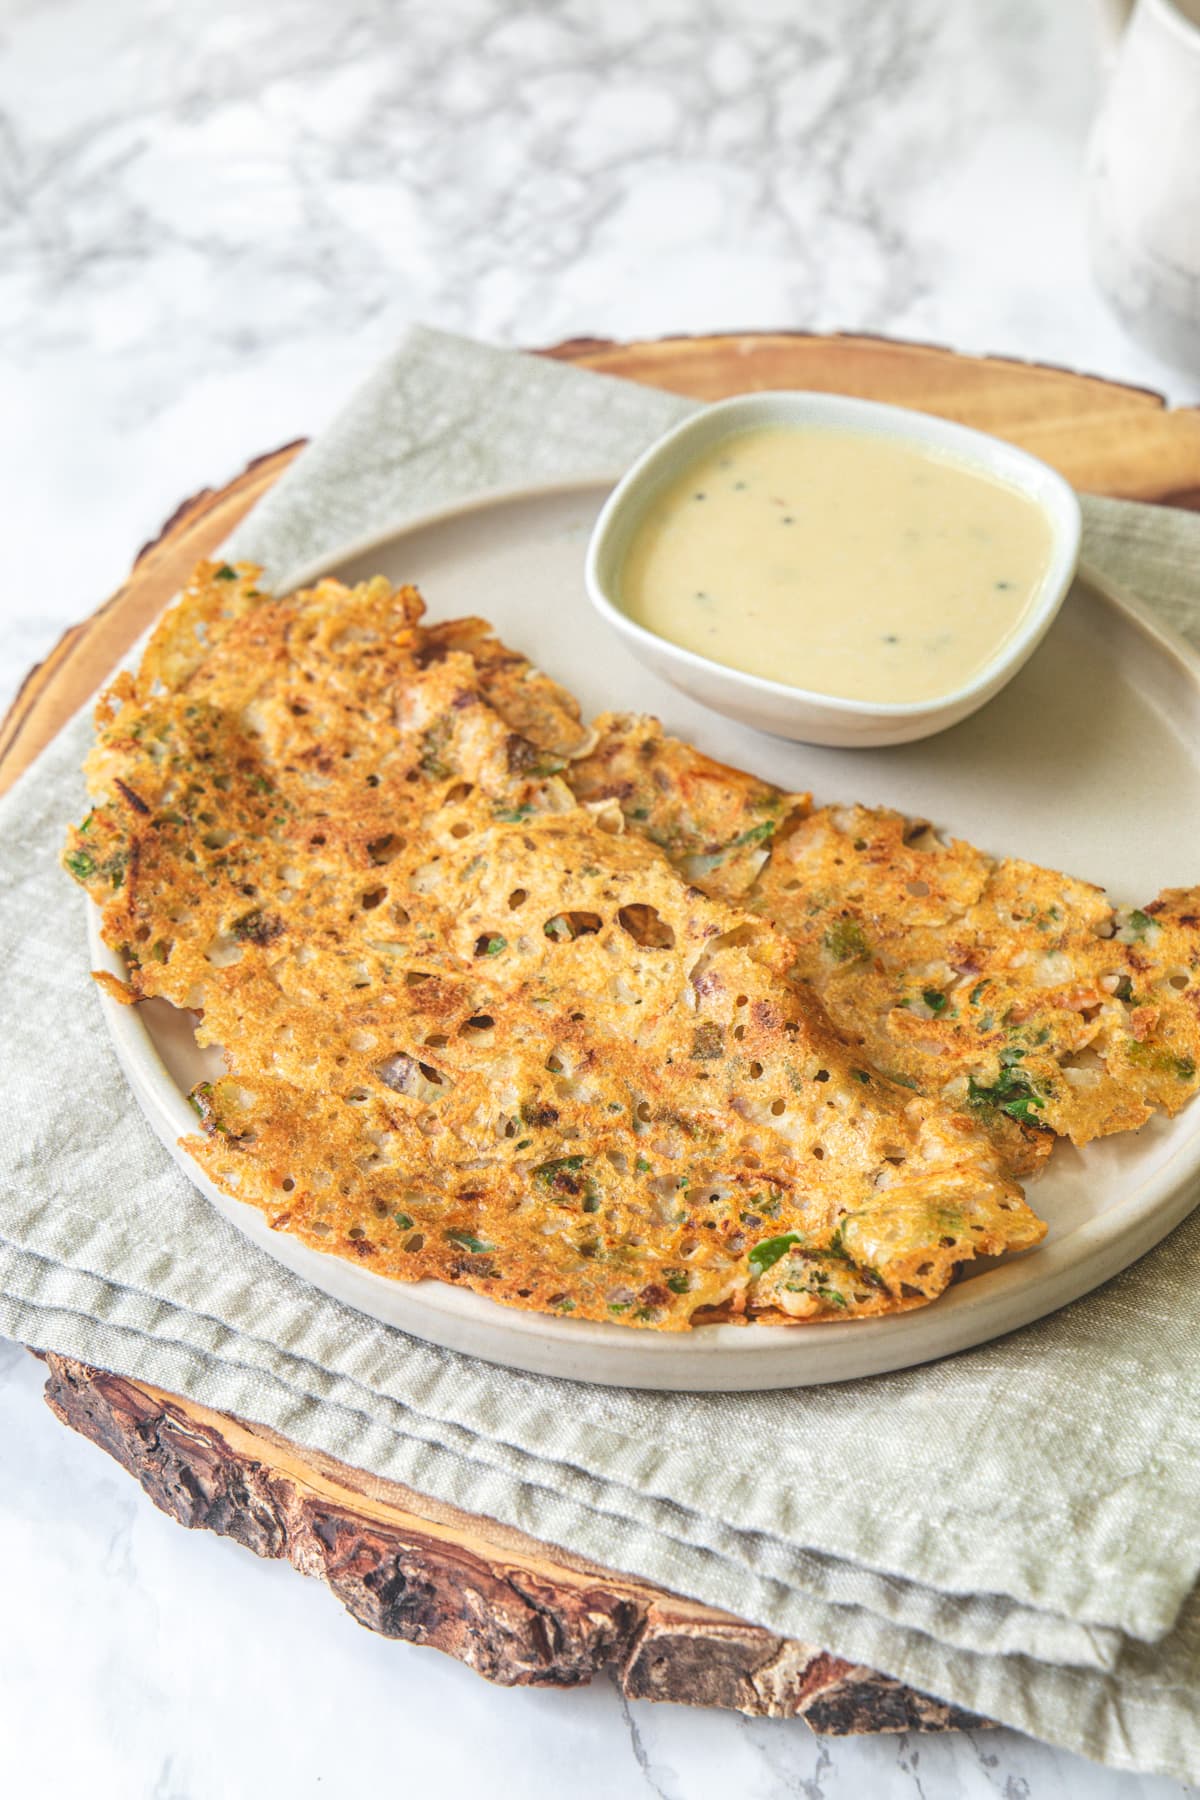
<point x="708" y="1358"/>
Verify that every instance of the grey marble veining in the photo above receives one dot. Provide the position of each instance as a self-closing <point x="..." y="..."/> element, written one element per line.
<point x="197" y="1671"/>
<point x="213" y="218"/>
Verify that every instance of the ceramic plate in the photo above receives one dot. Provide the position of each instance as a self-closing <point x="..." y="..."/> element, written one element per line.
<point x="1089" y="761"/>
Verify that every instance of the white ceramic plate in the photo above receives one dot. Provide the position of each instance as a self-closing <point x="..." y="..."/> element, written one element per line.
<point x="1088" y="761"/>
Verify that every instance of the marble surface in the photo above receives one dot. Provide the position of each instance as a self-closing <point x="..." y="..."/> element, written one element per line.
<point x="213" y="218"/>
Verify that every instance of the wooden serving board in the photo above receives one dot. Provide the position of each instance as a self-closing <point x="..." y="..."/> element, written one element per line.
<point x="519" y="1611"/>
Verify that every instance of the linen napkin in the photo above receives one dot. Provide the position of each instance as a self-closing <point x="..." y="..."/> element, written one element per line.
<point x="1014" y="1528"/>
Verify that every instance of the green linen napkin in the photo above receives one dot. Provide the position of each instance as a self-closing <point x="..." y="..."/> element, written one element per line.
<point x="1014" y="1529"/>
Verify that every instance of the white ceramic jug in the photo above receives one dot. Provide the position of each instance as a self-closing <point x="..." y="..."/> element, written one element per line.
<point x="1144" y="178"/>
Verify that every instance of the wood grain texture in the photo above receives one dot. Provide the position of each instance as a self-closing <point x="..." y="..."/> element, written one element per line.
<point x="518" y="1611"/>
<point x="1106" y="438"/>
<point x="86" y="654"/>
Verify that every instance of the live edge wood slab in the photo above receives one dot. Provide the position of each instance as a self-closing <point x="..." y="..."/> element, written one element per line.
<point x="518" y="1611"/>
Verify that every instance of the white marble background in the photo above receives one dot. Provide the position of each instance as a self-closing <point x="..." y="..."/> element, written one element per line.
<point x="213" y="218"/>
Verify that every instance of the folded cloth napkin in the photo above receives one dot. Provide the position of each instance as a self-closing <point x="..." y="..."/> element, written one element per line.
<point x="1014" y="1529"/>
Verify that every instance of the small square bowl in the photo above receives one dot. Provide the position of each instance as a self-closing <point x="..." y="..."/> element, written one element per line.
<point x="776" y="706"/>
